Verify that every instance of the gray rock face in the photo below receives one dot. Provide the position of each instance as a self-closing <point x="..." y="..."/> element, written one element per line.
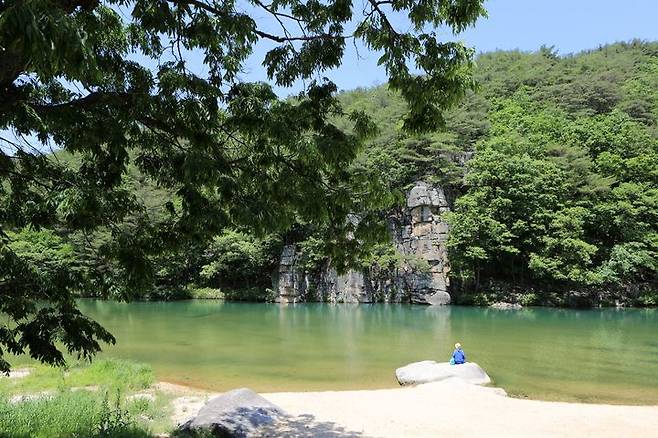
<point x="438" y="298"/>
<point x="422" y="194"/>
<point x="351" y="287"/>
<point x="289" y="281"/>
<point x="430" y="371"/>
<point x="294" y="285"/>
<point x="237" y="413"/>
<point x="423" y="235"/>
<point x="419" y="233"/>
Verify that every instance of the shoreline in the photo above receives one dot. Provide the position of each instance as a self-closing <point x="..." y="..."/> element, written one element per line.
<point x="449" y="407"/>
<point x="185" y="388"/>
<point x="386" y="303"/>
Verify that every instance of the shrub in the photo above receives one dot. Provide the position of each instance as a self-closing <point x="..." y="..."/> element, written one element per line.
<point x="529" y="299"/>
<point x="68" y="414"/>
<point x="205" y="293"/>
<point x="649" y="299"/>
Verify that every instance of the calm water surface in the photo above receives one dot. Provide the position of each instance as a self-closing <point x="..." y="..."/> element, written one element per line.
<point x="580" y="355"/>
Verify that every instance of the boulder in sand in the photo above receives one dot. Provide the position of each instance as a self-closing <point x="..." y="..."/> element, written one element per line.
<point x="237" y="413"/>
<point x="431" y="371"/>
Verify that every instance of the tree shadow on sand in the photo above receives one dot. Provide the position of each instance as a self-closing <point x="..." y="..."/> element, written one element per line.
<point x="306" y="425"/>
<point x="259" y="422"/>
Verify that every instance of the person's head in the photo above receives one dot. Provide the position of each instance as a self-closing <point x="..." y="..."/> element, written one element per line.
<point x="458" y="346"/>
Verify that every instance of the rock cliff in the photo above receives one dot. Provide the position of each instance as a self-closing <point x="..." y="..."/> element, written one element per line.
<point x="419" y="231"/>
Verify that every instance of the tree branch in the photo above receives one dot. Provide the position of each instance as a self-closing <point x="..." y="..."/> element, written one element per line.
<point x="276" y="38"/>
<point x="383" y="17"/>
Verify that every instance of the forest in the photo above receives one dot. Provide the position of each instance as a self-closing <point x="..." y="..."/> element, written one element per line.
<point x="551" y="167"/>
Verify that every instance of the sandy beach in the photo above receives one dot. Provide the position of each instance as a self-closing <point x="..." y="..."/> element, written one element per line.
<point x="447" y="408"/>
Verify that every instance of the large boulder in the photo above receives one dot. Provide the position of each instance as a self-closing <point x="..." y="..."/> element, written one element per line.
<point x="438" y="298"/>
<point x="237" y="413"/>
<point x="431" y="371"/>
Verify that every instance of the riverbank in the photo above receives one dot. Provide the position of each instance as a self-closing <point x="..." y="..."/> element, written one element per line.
<point x="530" y="352"/>
<point x="117" y="398"/>
<point x="447" y="408"/>
<point x="109" y="398"/>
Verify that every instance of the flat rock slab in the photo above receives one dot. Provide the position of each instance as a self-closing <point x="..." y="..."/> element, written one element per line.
<point x="237" y="413"/>
<point x="506" y="306"/>
<point x="18" y="373"/>
<point x="430" y="371"/>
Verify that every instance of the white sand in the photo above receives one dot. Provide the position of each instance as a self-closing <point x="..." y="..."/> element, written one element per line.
<point x="453" y="408"/>
<point x="447" y="408"/>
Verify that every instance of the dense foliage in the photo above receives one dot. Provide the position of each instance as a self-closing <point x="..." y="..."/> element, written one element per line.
<point x="560" y="196"/>
<point x="558" y="201"/>
<point x="554" y="188"/>
<point x="109" y="82"/>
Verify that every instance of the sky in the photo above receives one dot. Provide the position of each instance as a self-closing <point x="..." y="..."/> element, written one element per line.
<point x="569" y="25"/>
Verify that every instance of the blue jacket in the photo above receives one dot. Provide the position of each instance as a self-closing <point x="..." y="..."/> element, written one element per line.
<point x="459" y="356"/>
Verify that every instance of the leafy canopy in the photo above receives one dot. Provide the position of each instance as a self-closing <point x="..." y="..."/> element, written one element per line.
<point x="562" y="195"/>
<point x="108" y="82"/>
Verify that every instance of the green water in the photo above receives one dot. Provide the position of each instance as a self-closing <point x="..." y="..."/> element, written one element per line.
<point x="579" y="355"/>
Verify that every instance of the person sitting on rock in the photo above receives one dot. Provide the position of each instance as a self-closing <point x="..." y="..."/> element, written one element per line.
<point x="458" y="356"/>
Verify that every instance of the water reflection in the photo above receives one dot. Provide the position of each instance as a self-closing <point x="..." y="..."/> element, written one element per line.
<point x="544" y="353"/>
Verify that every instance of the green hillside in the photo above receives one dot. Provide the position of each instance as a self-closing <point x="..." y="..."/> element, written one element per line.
<point x="561" y="196"/>
<point x="552" y="166"/>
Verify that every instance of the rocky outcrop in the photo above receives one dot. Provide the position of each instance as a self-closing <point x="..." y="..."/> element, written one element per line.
<point x="506" y="306"/>
<point x="237" y="413"/>
<point x="294" y="285"/>
<point x="423" y="234"/>
<point x="352" y="287"/>
<point x="289" y="280"/>
<point x="419" y="232"/>
<point x="430" y="371"/>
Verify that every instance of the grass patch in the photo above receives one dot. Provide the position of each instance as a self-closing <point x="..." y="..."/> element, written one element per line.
<point x="84" y="400"/>
<point x="252" y="294"/>
<point x="192" y="292"/>
<point x="69" y="414"/>
<point x="112" y="374"/>
<point x="155" y="415"/>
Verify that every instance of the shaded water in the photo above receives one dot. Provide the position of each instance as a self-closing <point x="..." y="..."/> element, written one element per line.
<point x="579" y="355"/>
